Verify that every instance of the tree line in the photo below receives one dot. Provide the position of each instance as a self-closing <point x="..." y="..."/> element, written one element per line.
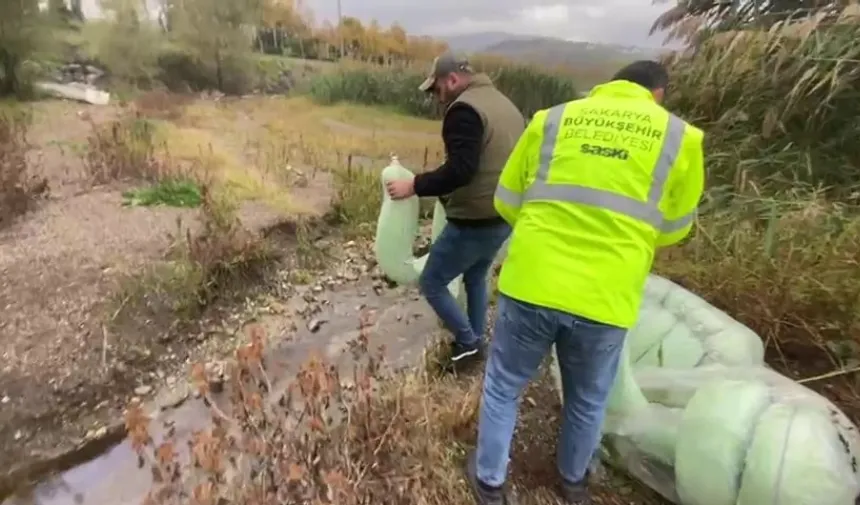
<point x="212" y="38"/>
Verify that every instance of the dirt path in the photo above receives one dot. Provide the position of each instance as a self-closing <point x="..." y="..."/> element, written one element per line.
<point x="57" y="265"/>
<point x="60" y="265"/>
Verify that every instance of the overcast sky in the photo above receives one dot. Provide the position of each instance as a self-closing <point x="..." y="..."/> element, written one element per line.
<point x="615" y="21"/>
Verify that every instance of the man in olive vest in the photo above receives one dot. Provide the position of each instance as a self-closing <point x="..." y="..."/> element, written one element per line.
<point x="592" y="189"/>
<point x="480" y="128"/>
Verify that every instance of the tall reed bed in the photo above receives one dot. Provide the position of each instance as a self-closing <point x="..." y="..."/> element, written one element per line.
<point x="529" y="87"/>
<point x="779" y="106"/>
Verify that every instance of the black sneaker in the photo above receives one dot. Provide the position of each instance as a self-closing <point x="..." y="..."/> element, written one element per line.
<point x="461" y="352"/>
<point x="576" y="493"/>
<point x="484" y="494"/>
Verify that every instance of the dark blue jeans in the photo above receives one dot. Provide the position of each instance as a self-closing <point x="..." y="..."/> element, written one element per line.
<point x="588" y="356"/>
<point x="466" y="251"/>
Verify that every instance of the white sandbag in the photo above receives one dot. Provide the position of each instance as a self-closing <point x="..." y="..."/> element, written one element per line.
<point x="397" y="229"/>
<point x="798" y="456"/>
<point x="712" y="446"/>
<point x="713" y="430"/>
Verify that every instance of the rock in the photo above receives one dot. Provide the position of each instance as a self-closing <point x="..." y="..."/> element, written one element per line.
<point x="216" y="375"/>
<point x="5" y="399"/>
<point x="314" y="325"/>
<point x="173" y="398"/>
<point x="142" y="390"/>
<point x="96" y="433"/>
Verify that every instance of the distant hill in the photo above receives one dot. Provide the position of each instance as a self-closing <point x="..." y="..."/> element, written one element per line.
<point x="476" y="42"/>
<point x="556" y="50"/>
<point x="596" y="60"/>
<point x="549" y="51"/>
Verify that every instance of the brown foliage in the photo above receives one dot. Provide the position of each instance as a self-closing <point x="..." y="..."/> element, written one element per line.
<point x="374" y="437"/>
<point x="223" y="248"/>
<point x="162" y="104"/>
<point x="18" y="187"/>
<point x="324" y="440"/>
<point x="123" y="149"/>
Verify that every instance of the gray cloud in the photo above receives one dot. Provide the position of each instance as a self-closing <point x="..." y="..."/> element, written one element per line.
<point x="615" y="21"/>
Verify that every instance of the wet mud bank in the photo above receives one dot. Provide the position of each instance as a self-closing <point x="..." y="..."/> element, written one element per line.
<point x="105" y="470"/>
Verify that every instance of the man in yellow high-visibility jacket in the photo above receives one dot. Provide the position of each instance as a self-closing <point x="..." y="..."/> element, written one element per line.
<point x="591" y="189"/>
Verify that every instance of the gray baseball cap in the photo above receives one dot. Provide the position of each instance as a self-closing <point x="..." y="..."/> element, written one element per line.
<point x="444" y="64"/>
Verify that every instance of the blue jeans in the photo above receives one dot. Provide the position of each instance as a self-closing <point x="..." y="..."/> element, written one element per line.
<point x="588" y="355"/>
<point x="469" y="252"/>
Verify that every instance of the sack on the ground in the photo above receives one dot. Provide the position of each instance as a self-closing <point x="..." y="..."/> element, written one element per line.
<point x="696" y="414"/>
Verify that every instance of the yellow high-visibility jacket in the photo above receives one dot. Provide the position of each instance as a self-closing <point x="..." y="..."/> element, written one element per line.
<point x="591" y="189"/>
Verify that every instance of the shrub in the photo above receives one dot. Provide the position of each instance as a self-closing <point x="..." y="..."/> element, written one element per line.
<point x="357" y="198"/>
<point x="181" y="72"/>
<point x="529" y="88"/>
<point x="323" y="441"/>
<point x="160" y="104"/>
<point x="374" y="86"/>
<point x="18" y="186"/>
<point x="369" y="436"/>
<point x="201" y="266"/>
<point x="122" y="149"/>
<point x="127" y="48"/>
<point x="223" y="250"/>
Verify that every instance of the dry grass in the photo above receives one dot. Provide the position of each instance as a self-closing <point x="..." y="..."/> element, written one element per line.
<point x="280" y="147"/>
<point x="282" y="143"/>
<point x="124" y="149"/>
<point x="18" y="186"/>
<point x="787" y="267"/>
<point x="202" y="263"/>
<point x="201" y="266"/>
<point x="161" y="104"/>
<point x="366" y="437"/>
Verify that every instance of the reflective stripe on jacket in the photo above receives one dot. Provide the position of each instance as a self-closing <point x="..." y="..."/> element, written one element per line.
<point x="592" y="188"/>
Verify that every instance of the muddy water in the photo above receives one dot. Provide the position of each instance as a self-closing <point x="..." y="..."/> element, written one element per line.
<point x="404" y="324"/>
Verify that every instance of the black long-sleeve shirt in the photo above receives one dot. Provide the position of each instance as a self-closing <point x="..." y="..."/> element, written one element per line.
<point x="462" y="134"/>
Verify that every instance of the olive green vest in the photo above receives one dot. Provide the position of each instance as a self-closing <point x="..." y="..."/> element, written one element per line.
<point x="503" y="125"/>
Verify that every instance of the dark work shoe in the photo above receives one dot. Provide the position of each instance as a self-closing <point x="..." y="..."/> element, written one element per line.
<point x="461" y="352"/>
<point x="484" y="494"/>
<point x="576" y="493"/>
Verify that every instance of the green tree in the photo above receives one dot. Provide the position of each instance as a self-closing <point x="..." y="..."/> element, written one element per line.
<point x="129" y="47"/>
<point x="219" y="36"/>
<point x="24" y="33"/>
<point x="77" y="10"/>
